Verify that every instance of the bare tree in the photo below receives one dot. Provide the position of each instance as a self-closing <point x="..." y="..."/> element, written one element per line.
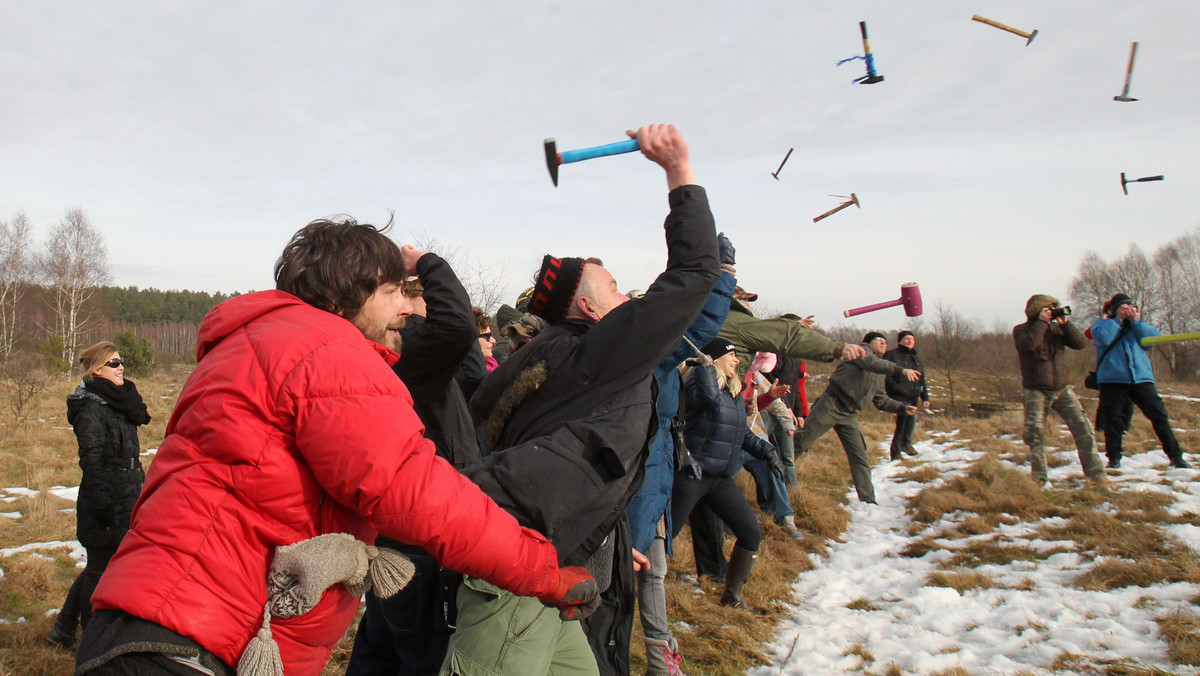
<point x="1091" y="286"/>
<point x="1177" y="266"/>
<point x="951" y="335"/>
<point x="73" y="266"/>
<point x="16" y="275"/>
<point x="484" y="285"/>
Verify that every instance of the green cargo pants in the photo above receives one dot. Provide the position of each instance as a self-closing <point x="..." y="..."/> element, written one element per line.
<point x="829" y="413"/>
<point x="499" y="633"/>
<point x="1063" y="400"/>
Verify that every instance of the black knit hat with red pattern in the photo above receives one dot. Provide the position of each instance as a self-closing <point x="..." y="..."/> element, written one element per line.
<point x="556" y="285"/>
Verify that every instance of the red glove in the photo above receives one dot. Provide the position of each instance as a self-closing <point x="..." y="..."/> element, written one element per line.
<point x="574" y="593"/>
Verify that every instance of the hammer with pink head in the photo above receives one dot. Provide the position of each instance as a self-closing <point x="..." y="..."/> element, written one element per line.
<point x="910" y="298"/>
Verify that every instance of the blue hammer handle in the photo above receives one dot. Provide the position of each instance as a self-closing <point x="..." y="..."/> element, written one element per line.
<point x="568" y="156"/>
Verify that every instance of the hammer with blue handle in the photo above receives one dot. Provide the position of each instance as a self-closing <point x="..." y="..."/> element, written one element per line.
<point x="555" y="158"/>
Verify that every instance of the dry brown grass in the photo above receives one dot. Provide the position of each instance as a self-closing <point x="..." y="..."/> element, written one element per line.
<point x="1181" y="630"/>
<point x="960" y="581"/>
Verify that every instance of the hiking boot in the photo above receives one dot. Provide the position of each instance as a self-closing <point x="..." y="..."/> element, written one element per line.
<point x="1180" y="463"/>
<point x="1114" y="463"/>
<point x="788" y="524"/>
<point x="60" y="638"/>
<point x="909" y="450"/>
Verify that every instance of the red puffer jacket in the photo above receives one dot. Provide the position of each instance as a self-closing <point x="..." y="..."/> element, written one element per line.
<point x="291" y="426"/>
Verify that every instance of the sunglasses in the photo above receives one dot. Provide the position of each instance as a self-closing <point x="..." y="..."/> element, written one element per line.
<point x="114" y="363"/>
<point x="486" y="336"/>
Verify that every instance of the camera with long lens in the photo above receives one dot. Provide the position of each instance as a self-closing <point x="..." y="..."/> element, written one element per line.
<point x="1056" y="312"/>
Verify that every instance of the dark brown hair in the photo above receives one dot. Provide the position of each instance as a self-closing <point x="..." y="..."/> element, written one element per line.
<point x="483" y="321"/>
<point x="336" y="264"/>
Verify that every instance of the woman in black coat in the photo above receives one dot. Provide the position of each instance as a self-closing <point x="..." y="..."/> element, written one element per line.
<point x="716" y="433"/>
<point x="105" y="411"/>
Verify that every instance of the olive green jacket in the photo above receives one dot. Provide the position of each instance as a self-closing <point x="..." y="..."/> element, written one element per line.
<point x="781" y="336"/>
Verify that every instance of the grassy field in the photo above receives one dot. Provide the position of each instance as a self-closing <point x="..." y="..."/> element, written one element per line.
<point x="39" y="453"/>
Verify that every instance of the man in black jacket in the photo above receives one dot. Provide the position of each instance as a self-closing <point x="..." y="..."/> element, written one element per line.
<point x="408" y="633"/>
<point x="573" y="411"/>
<point x="907" y="391"/>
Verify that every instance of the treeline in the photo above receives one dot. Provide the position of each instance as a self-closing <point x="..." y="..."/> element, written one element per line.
<point x="131" y="305"/>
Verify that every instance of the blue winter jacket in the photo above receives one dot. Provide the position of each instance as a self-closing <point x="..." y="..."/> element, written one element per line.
<point x="717" y="430"/>
<point x="1128" y="361"/>
<point x="653" y="500"/>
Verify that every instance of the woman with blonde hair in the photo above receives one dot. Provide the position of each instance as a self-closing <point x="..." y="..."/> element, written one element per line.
<point x="716" y="434"/>
<point x="105" y="412"/>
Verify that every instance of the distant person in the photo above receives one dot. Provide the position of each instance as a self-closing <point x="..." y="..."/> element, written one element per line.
<point x="717" y="434"/>
<point x="292" y="426"/>
<point x="1124" y="373"/>
<point x="487" y="340"/>
<point x="907" y="391"/>
<point x="105" y="412"/>
<point x="853" y="385"/>
<point x="1041" y="344"/>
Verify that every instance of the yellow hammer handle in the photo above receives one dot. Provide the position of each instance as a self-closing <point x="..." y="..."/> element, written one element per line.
<point x="999" y="25"/>
<point x="1176" y="338"/>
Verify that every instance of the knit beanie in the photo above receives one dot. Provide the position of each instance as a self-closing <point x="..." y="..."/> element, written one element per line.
<point x="556" y="285"/>
<point x="718" y="348"/>
<point x="523" y="300"/>
<point x="900" y="336"/>
<point x="872" y="336"/>
<point x="1115" y="304"/>
<point x="1037" y="303"/>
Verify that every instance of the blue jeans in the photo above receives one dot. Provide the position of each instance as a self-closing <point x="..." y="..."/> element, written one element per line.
<point x="771" y="492"/>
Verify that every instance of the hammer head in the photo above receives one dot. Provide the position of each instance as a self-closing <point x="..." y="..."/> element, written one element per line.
<point x="871" y="79"/>
<point x="910" y="298"/>
<point x="1123" y="97"/>
<point x="854" y="198"/>
<point x="1031" y="37"/>
<point x="1123" y="182"/>
<point x="552" y="160"/>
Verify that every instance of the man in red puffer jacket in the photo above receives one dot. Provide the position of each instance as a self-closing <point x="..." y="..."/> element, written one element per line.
<point x="291" y="426"/>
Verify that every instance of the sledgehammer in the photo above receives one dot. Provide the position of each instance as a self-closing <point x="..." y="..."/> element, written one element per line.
<point x="555" y="158"/>
<point x="1175" y="338"/>
<point x="910" y="298"/>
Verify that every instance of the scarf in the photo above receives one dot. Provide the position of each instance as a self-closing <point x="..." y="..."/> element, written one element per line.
<point x="124" y="399"/>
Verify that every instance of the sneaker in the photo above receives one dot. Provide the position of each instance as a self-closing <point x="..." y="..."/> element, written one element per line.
<point x="1180" y="463"/>
<point x="59" y="638"/>
<point x="1114" y="463"/>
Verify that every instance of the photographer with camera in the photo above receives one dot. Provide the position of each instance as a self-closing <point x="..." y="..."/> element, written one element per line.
<point x="1046" y="382"/>
<point x="1126" y="375"/>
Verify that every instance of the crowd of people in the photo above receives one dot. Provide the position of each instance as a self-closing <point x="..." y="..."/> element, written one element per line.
<point x="362" y="426"/>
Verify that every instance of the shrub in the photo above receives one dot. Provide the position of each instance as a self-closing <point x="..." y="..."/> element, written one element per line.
<point x="137" y="352"/>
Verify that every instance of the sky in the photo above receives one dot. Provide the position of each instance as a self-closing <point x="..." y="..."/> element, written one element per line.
<point x="197" y="140"/>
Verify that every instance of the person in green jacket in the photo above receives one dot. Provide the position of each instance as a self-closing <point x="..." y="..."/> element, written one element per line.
<point x="853" y="384"/>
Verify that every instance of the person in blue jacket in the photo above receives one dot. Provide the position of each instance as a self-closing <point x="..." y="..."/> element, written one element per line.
<point x="649" y="512"/>
<point x="717" y="433"/>
<point x="1124" y="374"/>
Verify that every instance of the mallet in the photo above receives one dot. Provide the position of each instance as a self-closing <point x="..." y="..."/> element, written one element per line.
<point x="1128" y="74"/>
<point x="853" y="200"/>
<point x="1016" y="31"/>
<point x="555" y="158"/>
<point x="871" y="77"/>
<point x="1144" y="179"/>
<point x="910" y="298"/>
<point x="1176" y="338"/>
<point x="785" y="159"/>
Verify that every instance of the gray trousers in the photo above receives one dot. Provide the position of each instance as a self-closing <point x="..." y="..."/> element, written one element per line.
<point x="1038" y="404"/>
<point x="829" y="413"/>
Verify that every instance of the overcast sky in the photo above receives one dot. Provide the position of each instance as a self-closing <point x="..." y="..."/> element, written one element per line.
<point x="198" y="138"/>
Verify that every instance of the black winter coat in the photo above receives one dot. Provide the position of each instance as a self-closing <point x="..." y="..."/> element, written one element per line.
<point x="901" y="388"/>
<point x="717" y="431"/>
<point x="571" y="414"/>
<point x="432" y="349"/>
<point x="109" y="456"/>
